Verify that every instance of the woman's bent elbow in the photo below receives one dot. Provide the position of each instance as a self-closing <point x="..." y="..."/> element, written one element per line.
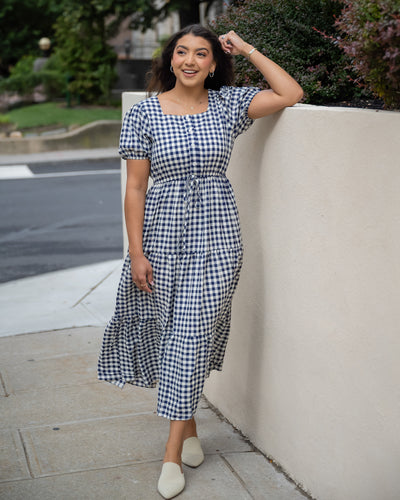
<point x="295" y="99"/>
<point x="300" y="95"/>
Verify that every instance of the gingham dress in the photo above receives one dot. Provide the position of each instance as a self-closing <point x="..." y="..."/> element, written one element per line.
<point x="191" y="235"/>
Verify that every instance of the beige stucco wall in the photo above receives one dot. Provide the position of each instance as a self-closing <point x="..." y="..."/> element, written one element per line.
<point x="312" y="372"/>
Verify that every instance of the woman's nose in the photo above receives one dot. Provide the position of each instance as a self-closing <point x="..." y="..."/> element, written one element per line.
<point x="189" y="58"/>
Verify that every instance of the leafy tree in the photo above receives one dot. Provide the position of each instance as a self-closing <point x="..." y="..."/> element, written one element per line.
<point x="81" y="35"/>
<point x="22" y="24"/>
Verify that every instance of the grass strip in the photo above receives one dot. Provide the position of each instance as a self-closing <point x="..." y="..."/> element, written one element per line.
<point x="50" y="113"/>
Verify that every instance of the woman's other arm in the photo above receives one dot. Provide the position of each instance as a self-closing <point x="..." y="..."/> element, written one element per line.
<point x="284" y="91"/>
<point x="138" y="172"/>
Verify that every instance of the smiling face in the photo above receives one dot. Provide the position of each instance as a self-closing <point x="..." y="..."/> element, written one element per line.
<point x="192" y="60"/>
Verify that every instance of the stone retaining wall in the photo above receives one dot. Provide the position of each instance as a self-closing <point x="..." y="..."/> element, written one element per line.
<point x="99" y="134"/>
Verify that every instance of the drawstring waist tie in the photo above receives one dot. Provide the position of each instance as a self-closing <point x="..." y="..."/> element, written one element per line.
<point x="192" y="197"/>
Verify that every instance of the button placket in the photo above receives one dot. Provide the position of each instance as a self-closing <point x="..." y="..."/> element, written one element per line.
<point x="192" y="197"/>
<point x="191" y="140"/>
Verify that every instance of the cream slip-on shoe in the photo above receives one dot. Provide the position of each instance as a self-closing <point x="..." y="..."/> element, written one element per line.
<point x="171" y="481"/>
<point x="192" y="454"/>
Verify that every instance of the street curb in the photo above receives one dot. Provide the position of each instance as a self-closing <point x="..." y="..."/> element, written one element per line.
<point x="63" y="156"/>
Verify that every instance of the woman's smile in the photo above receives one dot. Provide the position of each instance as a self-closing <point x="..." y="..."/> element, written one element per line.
<point x="190" y="72"/>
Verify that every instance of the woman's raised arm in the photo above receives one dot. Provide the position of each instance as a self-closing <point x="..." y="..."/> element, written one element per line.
<point x="284" y="91"/>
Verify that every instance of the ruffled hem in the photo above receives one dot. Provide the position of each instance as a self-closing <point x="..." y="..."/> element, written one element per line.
<point x="176" y="335"/>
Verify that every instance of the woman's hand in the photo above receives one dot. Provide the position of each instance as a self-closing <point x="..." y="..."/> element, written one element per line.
<point x="142" y="273"/>
<point x="232" y="44"/>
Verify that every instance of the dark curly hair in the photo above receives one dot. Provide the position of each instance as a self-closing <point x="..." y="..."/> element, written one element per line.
<point x="161" y="78"/>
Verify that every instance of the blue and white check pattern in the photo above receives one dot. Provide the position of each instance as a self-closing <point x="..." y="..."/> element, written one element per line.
<point x="191" y="235"/>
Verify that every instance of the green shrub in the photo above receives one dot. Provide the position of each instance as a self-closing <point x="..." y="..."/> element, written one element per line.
<point x="287" y="33"/>
<point x="53" y="77"/>
<point x="22" y="78"/>
<point x="371" y="30"/>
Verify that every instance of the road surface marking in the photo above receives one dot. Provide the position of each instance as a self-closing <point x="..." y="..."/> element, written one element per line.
<point x="8" y="172"/>
<point x="76" y="173"/>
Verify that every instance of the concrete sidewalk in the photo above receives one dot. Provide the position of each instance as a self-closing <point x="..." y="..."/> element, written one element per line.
<point x="81" y="296"/>
<point x="65" y="435"/>
<point x="68" y="155"/>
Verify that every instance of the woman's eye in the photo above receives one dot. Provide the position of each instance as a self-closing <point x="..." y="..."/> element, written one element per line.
<point x="201" y="54"/>
<point x="180" y="52"/>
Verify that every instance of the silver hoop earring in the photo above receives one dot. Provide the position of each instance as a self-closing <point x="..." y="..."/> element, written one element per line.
<point x="171" y="69"/>
<point x="211" y="75"/>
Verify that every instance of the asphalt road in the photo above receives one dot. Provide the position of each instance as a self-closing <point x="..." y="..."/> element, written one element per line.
<point x="58" y="216"/>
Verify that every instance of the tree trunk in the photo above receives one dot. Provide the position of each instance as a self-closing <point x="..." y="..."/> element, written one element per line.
<point x="190" y="14"/>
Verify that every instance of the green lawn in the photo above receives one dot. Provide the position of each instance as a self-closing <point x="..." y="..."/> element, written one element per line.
<point x="49" y="113"/>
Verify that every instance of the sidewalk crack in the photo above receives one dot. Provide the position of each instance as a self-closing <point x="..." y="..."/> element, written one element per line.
<point x="93" y="288"/>
<point x="28" y="462"/>
<point x="3" y="385"/>
<point x="237" y="476"/>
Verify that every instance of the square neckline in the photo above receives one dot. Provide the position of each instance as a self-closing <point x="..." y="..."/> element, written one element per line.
<point x="186" y="114"/>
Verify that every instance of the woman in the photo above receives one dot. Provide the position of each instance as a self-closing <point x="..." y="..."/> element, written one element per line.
<point x="172" y="317"/>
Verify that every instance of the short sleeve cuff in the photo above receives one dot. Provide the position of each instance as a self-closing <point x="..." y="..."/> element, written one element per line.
<point x="135" y="139"/>
<point x="132" y="155"/>
<point x="236" y="102"/>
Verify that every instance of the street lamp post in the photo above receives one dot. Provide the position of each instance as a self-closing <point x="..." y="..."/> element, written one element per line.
<point x="44" y="45"/>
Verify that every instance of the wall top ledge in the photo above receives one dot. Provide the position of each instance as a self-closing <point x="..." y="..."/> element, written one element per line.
<point x="140" y="94"/>
<point x="341" y="109"/>
<point x="312" y="107"/>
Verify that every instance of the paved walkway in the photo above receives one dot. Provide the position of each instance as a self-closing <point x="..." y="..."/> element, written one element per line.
<point x="65" y="435"/>
<point x="81" y="296"/>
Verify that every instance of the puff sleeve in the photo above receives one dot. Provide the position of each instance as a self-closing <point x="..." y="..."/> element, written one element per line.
<point x="135" y="139"/>
<point x="236" y="101"/>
